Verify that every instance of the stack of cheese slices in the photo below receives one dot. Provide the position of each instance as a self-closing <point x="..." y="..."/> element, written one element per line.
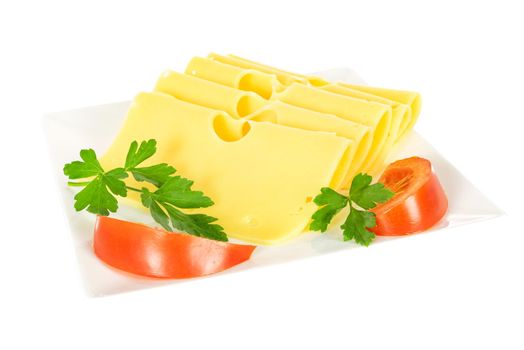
<point x="261" y="142"/>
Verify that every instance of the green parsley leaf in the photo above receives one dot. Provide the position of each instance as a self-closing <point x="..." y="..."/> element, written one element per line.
<point x="96" y="198"/>
<point x="157" y="174"/>
<point x="148" y="200"/>
<point x="360" y="181"/>
<point x="332" y="202"/>
<point x="368" y="196"/>
<point x="328" y="196"/>
<point x="137" y="155"/>
<point x="196" y="224"/>
<point x="99" y="193"/>
<point x="88" y="168"/>
<point x="113" y="180"/>
<point x="358" y="222"/>
<point x="177" y="191"/>
<point x="356" y="226"/>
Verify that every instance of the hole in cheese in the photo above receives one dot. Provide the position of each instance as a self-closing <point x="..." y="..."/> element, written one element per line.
<point x="260" y="84"/>
<point x="248" y="104"/>
<point x="229" y="129"/>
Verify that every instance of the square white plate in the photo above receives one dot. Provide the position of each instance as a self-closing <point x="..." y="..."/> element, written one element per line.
<point x="95" y="127"/>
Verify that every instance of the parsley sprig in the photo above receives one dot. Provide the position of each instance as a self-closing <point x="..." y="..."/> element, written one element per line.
<point x="362" y="197"/>
<point x="99" y="193"/>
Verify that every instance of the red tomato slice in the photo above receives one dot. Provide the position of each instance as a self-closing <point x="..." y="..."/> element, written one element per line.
<point x="419" y="201"/>
<point x="152" y="252"/>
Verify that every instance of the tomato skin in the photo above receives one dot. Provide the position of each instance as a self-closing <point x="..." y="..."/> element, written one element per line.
<point x="421" y="209"/>
<point x="152" y="252"/>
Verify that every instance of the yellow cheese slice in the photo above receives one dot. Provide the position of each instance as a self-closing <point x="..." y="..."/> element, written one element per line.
<point x="410" y="98"/>
<point x="401" y="113"/>
<point x="316" y="81"/>
<point x="206" y="93"/>
<point x="301" y="118"/>
<point x="285" y="78"/>
<point x="397" y="116"/>
<point x="375" y="115"/>
<point x="289" y="77"/>
<point x="239" y="78"/>
<point x="261" y="176"/>
<point x="297" y="117"/>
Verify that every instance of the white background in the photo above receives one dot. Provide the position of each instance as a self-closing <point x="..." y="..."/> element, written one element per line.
<point x="454" y="289"/>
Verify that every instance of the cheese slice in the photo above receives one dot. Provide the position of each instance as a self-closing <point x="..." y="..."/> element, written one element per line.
<point x="289" y="76"/>
<point x="285" y="78"/>
<point x="289" y="115"/>
<point x="261" y="176"/>
<point x="206" y="93"/>
<point x="401" y="113"/>
<point x="400" y="117"/>
<point x="297" y="117"/>
<point x="375" y="115"/>
<point x="239" y="78"/>
<point x="410" y="98"/>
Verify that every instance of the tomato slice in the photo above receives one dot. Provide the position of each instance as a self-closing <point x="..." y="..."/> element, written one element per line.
<point x="419" y="201"/>
<point x="152" y="252"/>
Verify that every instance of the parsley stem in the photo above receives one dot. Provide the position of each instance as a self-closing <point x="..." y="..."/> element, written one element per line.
<point x="85" y="183"/>
<point x="133" y="189"/>
<point x="78" y="184"/>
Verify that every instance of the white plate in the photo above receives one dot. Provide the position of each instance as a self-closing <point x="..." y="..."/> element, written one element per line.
<point x="95" y="127"/>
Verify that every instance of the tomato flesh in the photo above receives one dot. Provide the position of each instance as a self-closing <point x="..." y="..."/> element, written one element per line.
<point x="419" y="201"/>
<point x="152" y="252"/>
